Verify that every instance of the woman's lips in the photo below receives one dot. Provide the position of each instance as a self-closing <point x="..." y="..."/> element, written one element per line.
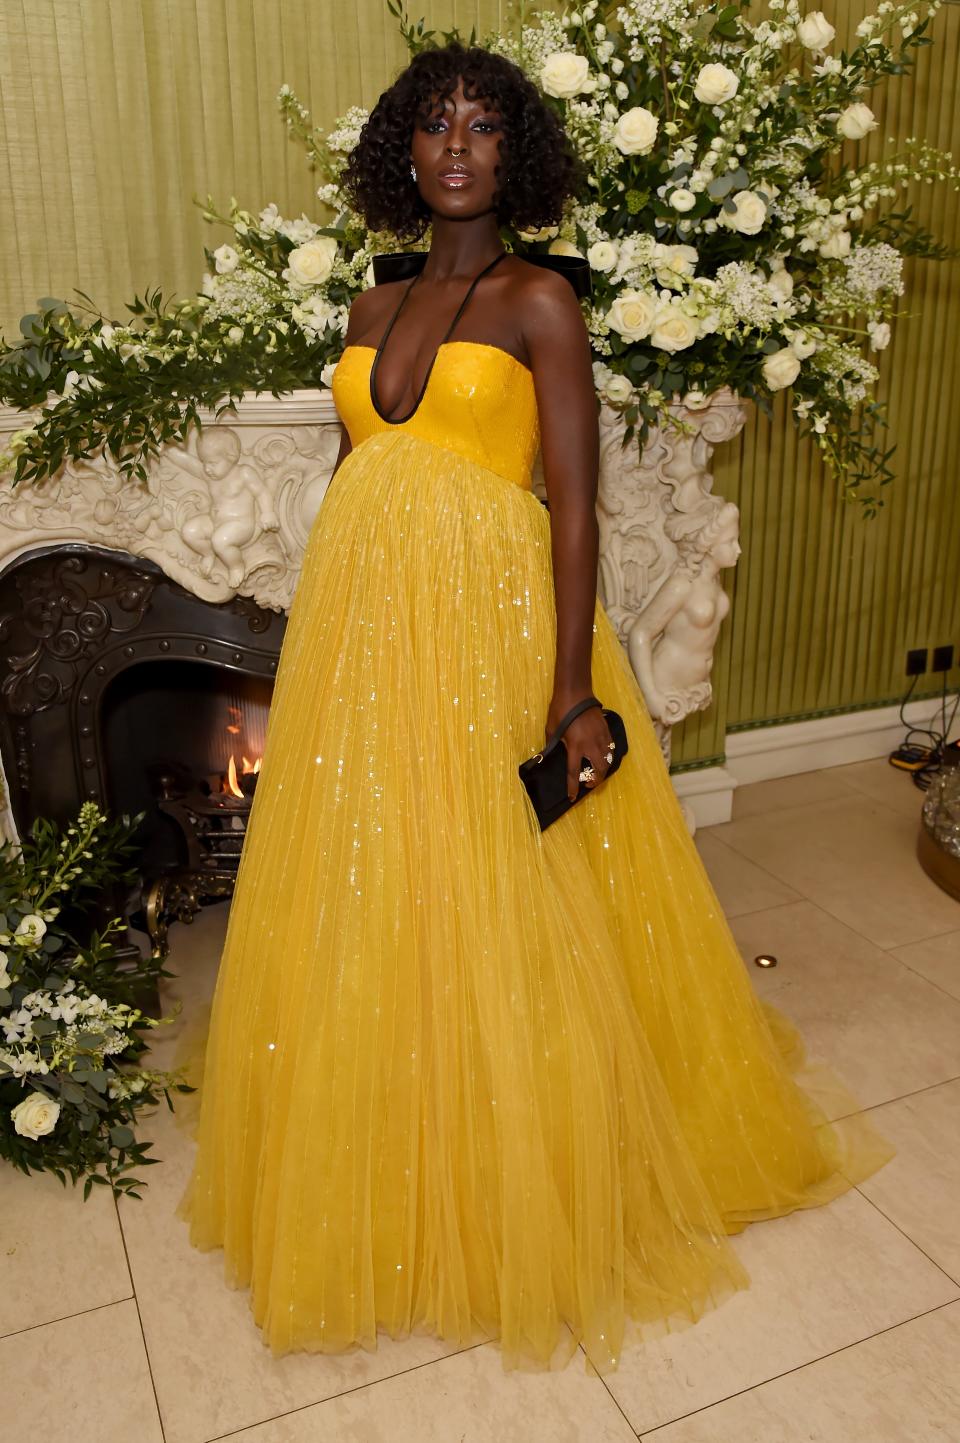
<point x="455" y="179"/>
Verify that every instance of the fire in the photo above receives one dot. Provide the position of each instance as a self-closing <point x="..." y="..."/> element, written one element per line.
<point x="232" y="785"/>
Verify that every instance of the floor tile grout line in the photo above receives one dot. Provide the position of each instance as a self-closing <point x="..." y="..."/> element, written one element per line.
<point x="934" y="937"/>
<point x="854" y="794"/>
<point x="940" y="1269"/>
<point x="143" y="1336"/>
<point x="801" y="1367"/>
<point x="791" y="902"/>
<point x="889" y="1101"/>
<point x="929" y="980"/>
<point x="735" y="916"/>
<point x="358" y="1388"/>
<point x="67" y="1317"/>
<point x="614" y="1401"/>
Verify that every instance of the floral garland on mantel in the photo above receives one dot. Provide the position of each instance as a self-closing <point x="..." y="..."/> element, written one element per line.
<point x="731" y="242"/>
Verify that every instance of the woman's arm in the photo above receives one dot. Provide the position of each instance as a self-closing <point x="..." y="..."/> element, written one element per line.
<point x="559" y="349"/>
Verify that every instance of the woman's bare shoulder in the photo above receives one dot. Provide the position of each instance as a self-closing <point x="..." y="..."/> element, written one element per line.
<point x="369" y="310"/>
<point x="545" y="303"/>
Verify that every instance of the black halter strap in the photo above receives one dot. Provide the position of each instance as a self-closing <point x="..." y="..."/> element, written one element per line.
<point x="398" y="420"/>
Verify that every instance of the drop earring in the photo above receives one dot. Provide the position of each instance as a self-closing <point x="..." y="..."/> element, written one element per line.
<point x="413" y="171"/>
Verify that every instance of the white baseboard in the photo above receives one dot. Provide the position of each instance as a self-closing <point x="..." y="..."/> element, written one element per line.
<point x="804" y="746"/>
<point x="706" y="794"/>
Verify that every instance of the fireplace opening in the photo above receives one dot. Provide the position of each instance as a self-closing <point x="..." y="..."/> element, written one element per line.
<point x="184" y="740"/>
<point x="120" y="686"/>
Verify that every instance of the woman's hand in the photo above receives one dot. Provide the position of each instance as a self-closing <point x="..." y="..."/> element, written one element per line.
<point x="587" y="736"/>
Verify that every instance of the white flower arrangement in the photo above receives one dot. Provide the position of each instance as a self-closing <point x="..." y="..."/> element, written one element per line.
<point x="70" y="1085"/>
<point x="733" y="241"/>
<point x="722" y="148"/>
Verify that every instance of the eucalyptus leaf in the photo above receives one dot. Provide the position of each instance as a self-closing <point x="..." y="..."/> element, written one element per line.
<point x="121" y="1136"/>
<point x="720" y="186"/>
<point x="90" y="1041"/>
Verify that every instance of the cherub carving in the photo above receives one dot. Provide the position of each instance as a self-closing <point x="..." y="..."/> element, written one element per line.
<point x="239" y="502"/>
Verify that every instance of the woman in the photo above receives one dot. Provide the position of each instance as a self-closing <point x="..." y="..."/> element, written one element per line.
<point x="465" y="1076"/>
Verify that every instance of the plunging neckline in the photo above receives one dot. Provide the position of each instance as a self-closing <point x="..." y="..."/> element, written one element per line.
<point x="399" y="420"/>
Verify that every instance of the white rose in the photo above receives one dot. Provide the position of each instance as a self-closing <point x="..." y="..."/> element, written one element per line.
<point x="35" y="1116"/>
<point x="31" y="929"/>
<point x="879" y="335"/>
<point x="749" y="214"/>
<point x="683" y="200"/>
<point x="673" y="329"/>
<point x="618" y="390"/>
<point x="632" y="314"/>
<point x="226" y="259"/>
<point x="326" y="373"/>
<point x="312" y="263"/>
<point x="802" y="345"/>
<point x="716" y="84"/>
<point x="636" y="131"/>
<point x="836" y="246"/>
<point x="781" y="285"/>
<point x="602" y="255"/>
<point x="235" y="334"/>
<point x="563" y="248"/>
<point x="695" y="400"/>
<point x="815" y="31"/>
<point x="564" y="74"/>
<point x="856" y="121"/>
<point x="674" y="263"/>
<point x="781" y="369"/>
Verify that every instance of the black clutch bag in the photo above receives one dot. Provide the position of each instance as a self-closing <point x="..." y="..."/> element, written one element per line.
<point x="545" y="775"/>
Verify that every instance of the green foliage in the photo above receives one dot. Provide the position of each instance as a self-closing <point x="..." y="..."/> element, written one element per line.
<point x="72" y="1029"/>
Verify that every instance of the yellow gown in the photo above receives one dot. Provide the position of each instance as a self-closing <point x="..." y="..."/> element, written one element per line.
<point x="464" y="1077"/>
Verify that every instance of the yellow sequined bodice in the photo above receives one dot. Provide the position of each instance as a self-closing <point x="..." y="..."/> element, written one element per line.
<point x="480" y="402"/>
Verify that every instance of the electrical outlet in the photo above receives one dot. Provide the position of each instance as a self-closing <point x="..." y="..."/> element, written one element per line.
<point x="917" y="661"/>
<point x="942" y="658"/>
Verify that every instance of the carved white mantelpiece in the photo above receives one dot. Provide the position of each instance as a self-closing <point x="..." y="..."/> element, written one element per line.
<point x="230" y="511"/>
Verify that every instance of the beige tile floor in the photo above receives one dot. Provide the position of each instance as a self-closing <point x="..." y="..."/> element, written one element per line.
<point x="112" y="1328"/>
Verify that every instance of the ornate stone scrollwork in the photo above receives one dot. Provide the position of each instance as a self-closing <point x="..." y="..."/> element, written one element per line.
<point x="226" y="513"/>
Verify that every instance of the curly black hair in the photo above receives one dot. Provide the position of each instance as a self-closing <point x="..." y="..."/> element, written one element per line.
<point x="538" y="167"/>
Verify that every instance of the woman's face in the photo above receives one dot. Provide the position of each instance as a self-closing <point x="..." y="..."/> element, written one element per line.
<point x="456" y="150"/>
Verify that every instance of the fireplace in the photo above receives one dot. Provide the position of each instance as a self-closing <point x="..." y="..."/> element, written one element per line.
<point x="120" y="686"/>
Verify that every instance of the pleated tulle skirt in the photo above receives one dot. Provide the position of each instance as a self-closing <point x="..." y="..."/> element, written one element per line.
<point x="464" y="1077"/>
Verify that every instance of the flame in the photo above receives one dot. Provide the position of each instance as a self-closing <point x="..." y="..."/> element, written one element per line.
<point x="231" y="783"/>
